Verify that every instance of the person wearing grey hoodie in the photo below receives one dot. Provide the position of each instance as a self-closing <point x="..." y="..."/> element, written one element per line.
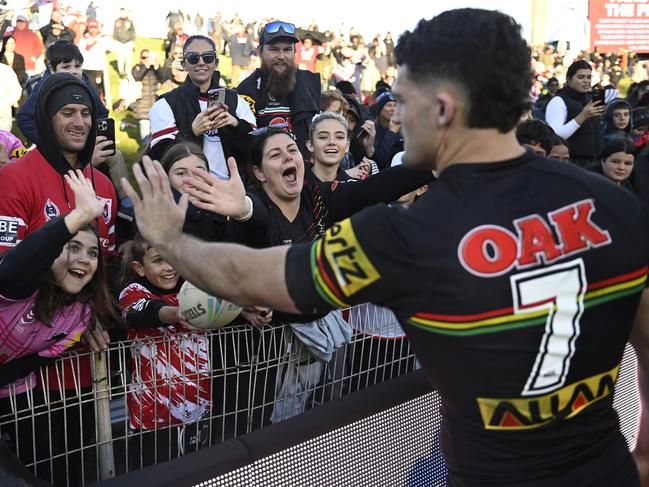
<point x="618" y="121"/>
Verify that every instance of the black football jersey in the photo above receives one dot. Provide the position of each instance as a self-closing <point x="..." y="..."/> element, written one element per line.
<point x="517" y="283"/>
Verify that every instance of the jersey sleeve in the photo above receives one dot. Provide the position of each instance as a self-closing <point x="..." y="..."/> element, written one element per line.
<point x="244" y="112"/>
<point x="14" y="215"/>
<point x="140" y="307"/>
<point x="349" y="197"/>
<point x="24" y="269"/>
<point x="361" y="259"/>
<point x="163" y="122"/>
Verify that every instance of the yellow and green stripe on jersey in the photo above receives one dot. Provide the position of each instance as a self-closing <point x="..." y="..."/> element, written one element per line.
<point x="339" y="266"/>
<point x="505" y="319"/>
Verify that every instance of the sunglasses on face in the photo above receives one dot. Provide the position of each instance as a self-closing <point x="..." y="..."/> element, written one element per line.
<point x="263" y="130"/>
<point x="274" y="27"/>
<point x="193" y="57"/>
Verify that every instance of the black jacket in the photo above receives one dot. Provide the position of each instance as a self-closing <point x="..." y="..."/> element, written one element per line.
<point x="304" y="101"/>
<point x="185" y="107"/>
<point x="586" y="142"/>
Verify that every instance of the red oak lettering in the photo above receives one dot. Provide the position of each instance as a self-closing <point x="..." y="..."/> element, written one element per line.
<point x="488" y="250"/>
<point x="492" y="250"/>
<point x="576" y="230"/>
<point x="535" y="237"/>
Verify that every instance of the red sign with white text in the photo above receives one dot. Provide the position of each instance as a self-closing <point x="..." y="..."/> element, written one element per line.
<point x="619" y="24"/>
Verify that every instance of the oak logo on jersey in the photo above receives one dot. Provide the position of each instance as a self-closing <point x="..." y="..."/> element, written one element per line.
<point x="564" y="403"/>
<point x="492" y="250"/>
<point x="352" y="269"/>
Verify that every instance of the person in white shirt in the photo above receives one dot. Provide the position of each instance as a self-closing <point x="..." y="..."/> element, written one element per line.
<point x="575" y="117"/>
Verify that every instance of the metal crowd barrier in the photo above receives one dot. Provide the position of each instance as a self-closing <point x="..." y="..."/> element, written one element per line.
<point x="74" y="427"/>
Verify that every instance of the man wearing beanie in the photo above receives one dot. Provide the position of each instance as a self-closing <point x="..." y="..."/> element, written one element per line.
<point x="33" y="188"/>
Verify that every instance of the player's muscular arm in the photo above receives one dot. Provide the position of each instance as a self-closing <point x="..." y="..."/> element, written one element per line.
<point x="240" y="274"/>
<point x="640" y="341"/>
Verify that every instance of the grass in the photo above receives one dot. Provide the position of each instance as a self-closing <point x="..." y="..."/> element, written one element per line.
<point x="128" y="141"/>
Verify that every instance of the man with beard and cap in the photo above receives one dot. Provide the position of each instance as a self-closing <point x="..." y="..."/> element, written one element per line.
<point x="279" y="92"/>
<point x="33" y="188"/>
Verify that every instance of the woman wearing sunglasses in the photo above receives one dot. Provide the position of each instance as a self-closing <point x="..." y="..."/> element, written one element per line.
<point x="220" y="130"/>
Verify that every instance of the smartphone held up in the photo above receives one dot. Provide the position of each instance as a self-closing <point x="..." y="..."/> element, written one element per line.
<point x="216" y="97"/>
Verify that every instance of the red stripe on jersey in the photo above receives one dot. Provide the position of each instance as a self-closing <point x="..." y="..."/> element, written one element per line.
<point x="162" y="132"/>
<point x="332" y="287"/>
<point x="614" y="280"/>
<point x="462" y="318"/>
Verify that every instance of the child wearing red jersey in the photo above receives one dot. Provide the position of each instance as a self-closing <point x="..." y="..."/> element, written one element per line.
<point x="170" y="388"/>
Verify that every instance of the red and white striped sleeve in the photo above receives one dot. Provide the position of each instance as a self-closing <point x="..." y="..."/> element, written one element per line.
<point x="163" y="122"/>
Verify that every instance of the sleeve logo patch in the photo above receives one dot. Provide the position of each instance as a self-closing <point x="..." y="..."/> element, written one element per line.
<point x="352" y="269"/>
<point x="108" y="208"/>
<point x="9" y="227"/>
<point x="50" y="210"/>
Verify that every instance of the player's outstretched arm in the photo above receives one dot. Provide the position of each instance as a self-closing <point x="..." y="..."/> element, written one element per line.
<point x="640" y="341"/>
<point x="242" y="275"/>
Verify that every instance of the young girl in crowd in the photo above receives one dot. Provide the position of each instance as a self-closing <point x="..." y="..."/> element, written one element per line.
<point x="616" y="161"/>
<point x="170" y="389"/>
<point x="52" y="292"/>
<point x="329" y="143"/>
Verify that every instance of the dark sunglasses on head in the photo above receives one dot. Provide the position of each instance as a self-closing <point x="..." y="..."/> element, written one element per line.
<point x="263" y="130"/>
<point x="274" y="27"/>
<point x="194" y="57"/>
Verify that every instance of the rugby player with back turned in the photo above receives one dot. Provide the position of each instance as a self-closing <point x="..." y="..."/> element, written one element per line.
<point x="518" y="279"/>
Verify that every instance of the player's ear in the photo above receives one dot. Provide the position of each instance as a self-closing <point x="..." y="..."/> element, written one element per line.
<point x="309" y="145"/>
<point x="445" y="108"/>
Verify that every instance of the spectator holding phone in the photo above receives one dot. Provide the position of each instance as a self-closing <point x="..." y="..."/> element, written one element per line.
<point x="220" y="130"/>
<point x="65" y="57"/>
<point x="574" y="115"/>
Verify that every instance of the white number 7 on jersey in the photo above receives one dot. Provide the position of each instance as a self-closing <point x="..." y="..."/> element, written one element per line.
<point x="560" y="290"/>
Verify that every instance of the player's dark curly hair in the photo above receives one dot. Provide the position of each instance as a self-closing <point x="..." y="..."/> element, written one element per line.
<point x="483" y="52"/>
<point x="535" y="132"/>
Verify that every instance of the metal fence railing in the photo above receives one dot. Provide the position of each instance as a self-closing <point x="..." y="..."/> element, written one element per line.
<point x="76" y="427"/>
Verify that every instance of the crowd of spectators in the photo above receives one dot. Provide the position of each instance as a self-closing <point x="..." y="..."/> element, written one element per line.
<point x="259" y="154"/>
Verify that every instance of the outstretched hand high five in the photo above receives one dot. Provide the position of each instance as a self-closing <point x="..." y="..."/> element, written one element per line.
<point x="225" y="197"/>
<point x="159" y="218"/>
<point x="86" y="205"/>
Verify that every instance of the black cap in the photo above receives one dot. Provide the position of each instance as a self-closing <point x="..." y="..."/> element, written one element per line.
<point x="278" y="30"/>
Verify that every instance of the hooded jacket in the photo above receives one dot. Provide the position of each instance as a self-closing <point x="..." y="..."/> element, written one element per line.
<point x="609" y="132"/>
<point x="26" y="116"/>
<point x="33" y="188"/>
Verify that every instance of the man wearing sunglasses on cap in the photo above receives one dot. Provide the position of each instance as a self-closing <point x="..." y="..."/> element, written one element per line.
<point x="279" y="91"/>
<point x="222" y="132"/>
